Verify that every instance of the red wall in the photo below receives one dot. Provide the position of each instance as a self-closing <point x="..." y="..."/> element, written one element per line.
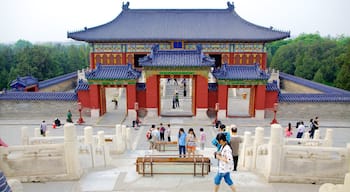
<point x="84" y="98"/>
<point x="212" y="99"/>
<point x="271" y="98"/>
<point x="95" y="97"/>
<point x="222" y="96"/>
<point x="201" y="91"/>
<point x="152" y="92"/>
<point x="141" y="98"/>
<point x="131" y="93"/>
<point x="260" y="97"/>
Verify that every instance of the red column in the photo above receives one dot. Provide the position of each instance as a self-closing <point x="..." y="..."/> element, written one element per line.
<point x="222" y="96"/>
<point x="201" y="92"/>
<point x="260" y="96"/>
<point x="95" y="95"/>
<point x="92" y="60"/>
<point x="131" y="96"/>
<point x="152" y="92"/>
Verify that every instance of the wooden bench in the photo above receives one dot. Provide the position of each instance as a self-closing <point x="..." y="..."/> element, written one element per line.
<point x="198" y="165"/>
<point x="166" y="146"/>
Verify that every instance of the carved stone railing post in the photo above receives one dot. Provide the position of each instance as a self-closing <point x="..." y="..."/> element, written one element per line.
<point x="274" y="151"/>
<point x="258" y="140"/>
<point x="328" y="140"/>
<point x="24" y="135"/>
<point x="74" y="170"/>
<point x="247" y="142"/>
<point x="89" y="142"/>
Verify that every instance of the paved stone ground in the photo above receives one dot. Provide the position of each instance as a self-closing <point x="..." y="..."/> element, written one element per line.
<point x="121" y="175"/>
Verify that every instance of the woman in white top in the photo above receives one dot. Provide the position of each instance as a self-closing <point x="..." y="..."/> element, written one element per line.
<point x="224" y="157"/>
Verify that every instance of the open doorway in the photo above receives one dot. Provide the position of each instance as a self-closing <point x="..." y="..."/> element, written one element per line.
<point x="115" y="99"/>
<point x="238" y="102"/>
<point x="176" y="96"/>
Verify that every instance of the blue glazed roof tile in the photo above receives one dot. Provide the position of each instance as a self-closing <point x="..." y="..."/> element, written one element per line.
<point x="179" y="24"/>
<point x="113" y="72"/>
<point x="177" y="58"/>
<point x="240" y="72"/>
<point x="23" y="82"/>
<point x="56" y="80"/>
<point x="318" y="86"/>
<point x="63" y="96"/>
<point x="82" y="86"/>
<point x="272" y="86"/>
<point x="316" y="98"/>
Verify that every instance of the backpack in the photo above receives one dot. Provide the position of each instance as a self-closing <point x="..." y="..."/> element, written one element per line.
<point x="148" y="135"/>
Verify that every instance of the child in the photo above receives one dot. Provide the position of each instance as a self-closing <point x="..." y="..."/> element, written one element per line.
<point x="182" y="142"/>
<point x="191" y="142"/>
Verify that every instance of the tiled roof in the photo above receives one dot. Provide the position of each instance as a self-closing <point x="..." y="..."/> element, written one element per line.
<point x="113" y="72"/>
<point x="330" y="94"/>
<point x="312" y="84"/>
<point x="176" y="58"/>
<point x="272" y="86"/>
<point x="63" y="96"/>
<point x="56" y="80"/>
<point x="305" y="97"/>
<point x="178" y="24"/>
<point x="82" y="86"/>
<point x="240" y="72"/>
<point x="24" y="81"/>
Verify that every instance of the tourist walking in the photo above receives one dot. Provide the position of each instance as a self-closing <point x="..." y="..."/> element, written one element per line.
<point x="301" y="129"/>
<point x="288" y="132"/>
<point x="43" y="127"/>
<point x="168" y="133"/>
<point x="221" y="130"/>
<point x="312" y="128"/>
<point x="182" y="142"/>
<point x="69" y="117"/>
<point x="234" y="143"/>
<point x="225" y="162"/>
<point x="161" y="132"/>
<point x="155" y="136"/>
<point x="203" y="138"/>
<point x="191" y="142"/>
<point x="149" y="136"/>
<point x="177" y="102"/>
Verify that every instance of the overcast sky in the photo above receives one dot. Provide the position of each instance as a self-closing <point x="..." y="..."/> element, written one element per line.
<point x="49" y="20"/>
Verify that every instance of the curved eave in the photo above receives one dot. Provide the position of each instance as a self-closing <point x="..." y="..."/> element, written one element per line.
<point x="148" y="28"/>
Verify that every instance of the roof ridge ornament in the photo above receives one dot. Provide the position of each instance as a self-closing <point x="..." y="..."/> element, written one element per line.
<point x="125" y="6"/>
<point x="230" y="6"/>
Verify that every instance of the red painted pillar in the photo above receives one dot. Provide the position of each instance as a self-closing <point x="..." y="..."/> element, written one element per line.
<point x="131" y="96"/>
<point x="92" y="60"/>
<point x="95" y="94"/>
<point x="260" y="97"/>
<point x="222" y="96"/>
<point x="201" y="91"/>
<point x="152" y="92"/>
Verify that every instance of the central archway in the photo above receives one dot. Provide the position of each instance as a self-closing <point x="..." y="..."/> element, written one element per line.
<point x="176" y="95"/>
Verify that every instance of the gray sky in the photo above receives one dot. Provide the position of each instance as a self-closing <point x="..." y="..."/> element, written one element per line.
<point x="49" y="20"/>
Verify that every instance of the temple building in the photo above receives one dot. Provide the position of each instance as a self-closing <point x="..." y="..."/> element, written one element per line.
<point x="180" y="62"/>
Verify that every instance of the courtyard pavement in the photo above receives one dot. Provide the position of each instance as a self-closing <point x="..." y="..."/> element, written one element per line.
<point x="121" y="174"/>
